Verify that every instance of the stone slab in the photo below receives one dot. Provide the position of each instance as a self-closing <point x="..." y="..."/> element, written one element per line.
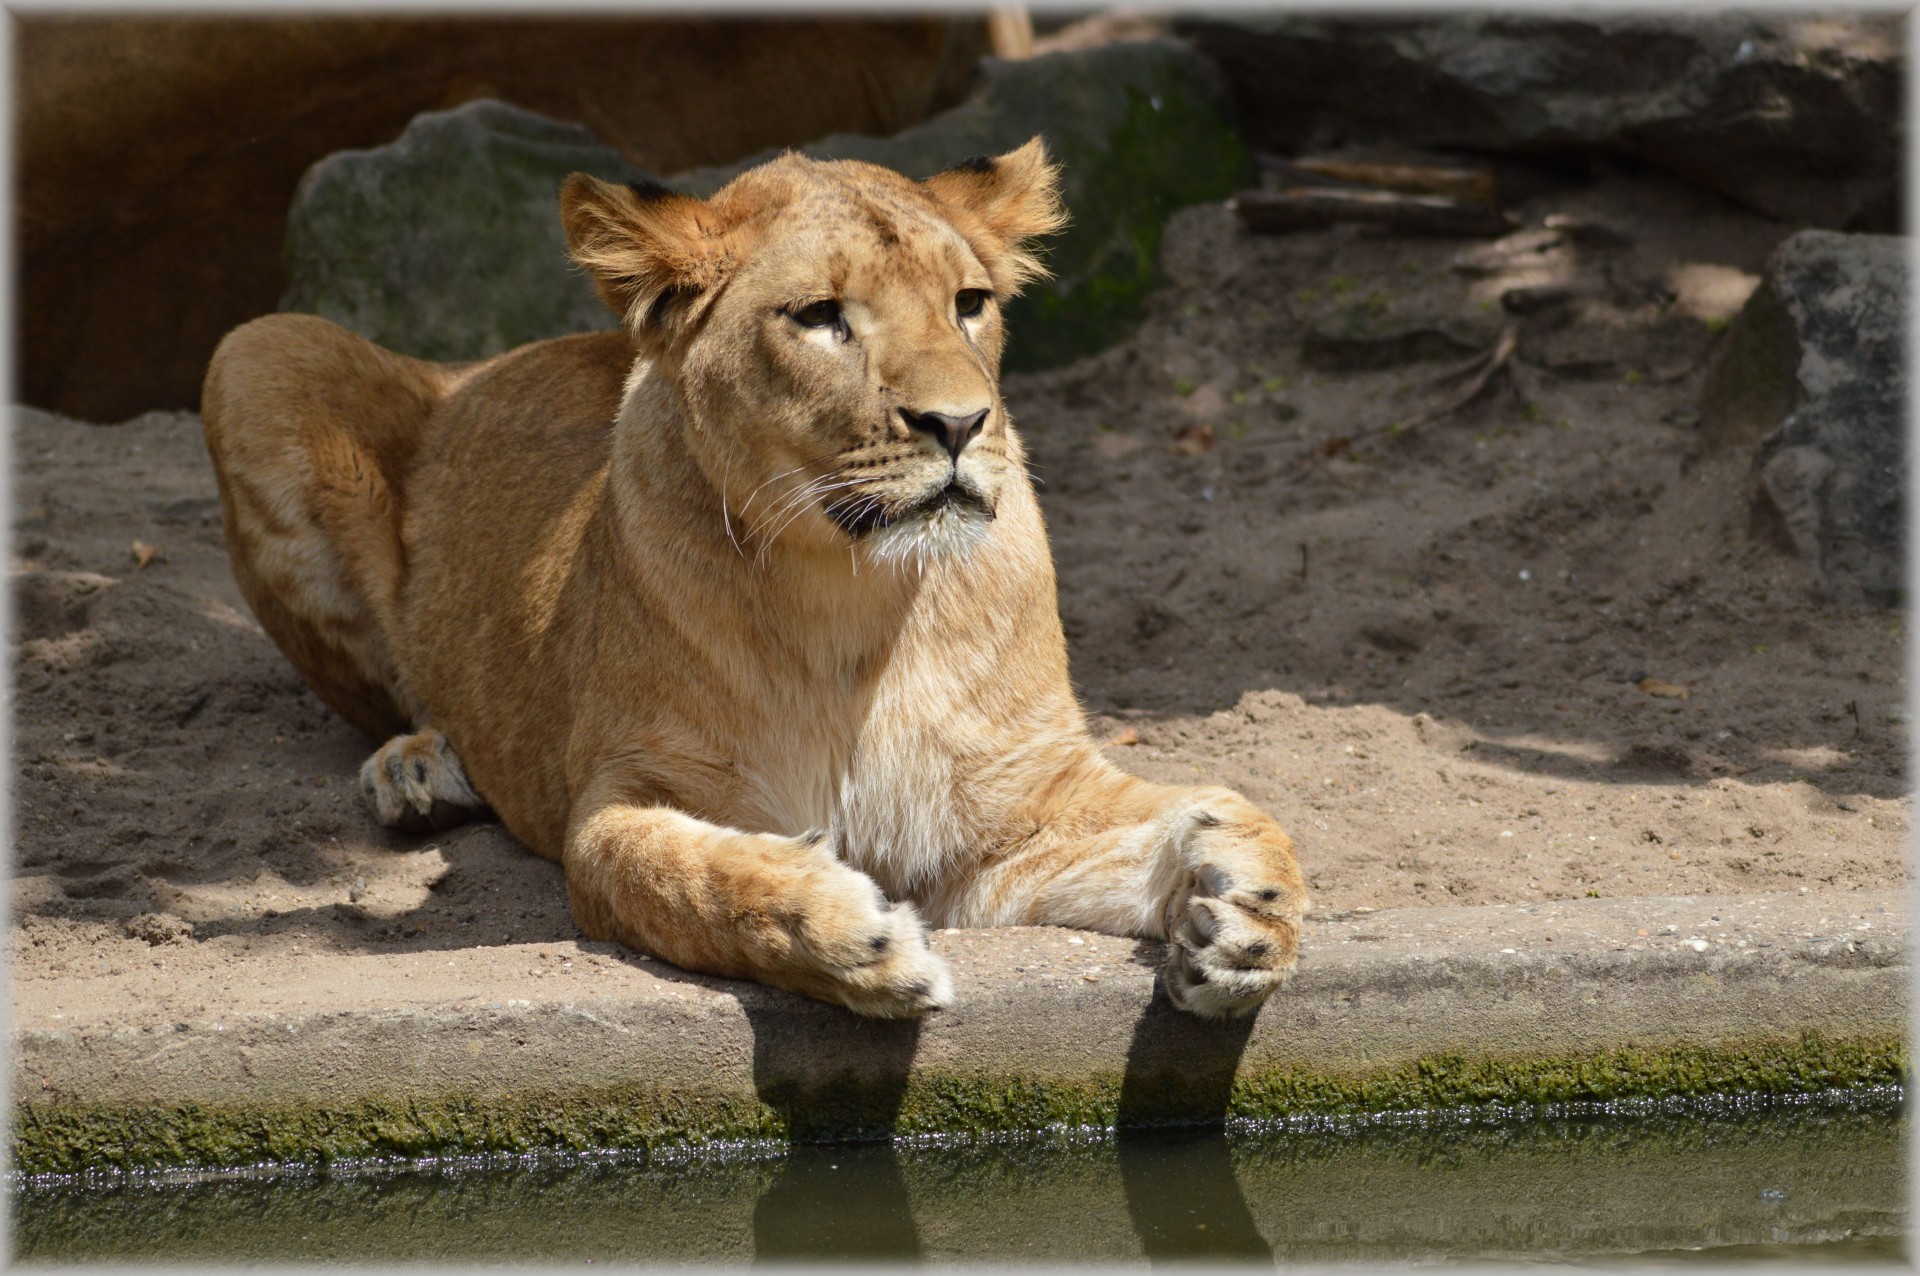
<point x="1588" y="999"/>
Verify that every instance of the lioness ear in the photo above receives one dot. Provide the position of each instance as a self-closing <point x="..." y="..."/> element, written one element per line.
<point x="645" y="246"/>
<point x="1001" y="203"/>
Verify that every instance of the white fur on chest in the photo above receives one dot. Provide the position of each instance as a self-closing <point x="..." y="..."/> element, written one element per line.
<point x="879" y="770"/>
<point x="902" y="814"/>
<point x="881" y="782"/>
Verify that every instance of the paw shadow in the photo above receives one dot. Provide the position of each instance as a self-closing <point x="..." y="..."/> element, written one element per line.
<point x="1176" y="1167"/>
<point x="836" y="1079"/>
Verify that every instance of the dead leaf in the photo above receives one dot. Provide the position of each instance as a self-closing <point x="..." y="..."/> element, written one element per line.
<point x="1124" y="736"/>
<point x="1581" y="231"/>
<point x="1194" y="440"/>
<point x="144" y="553"/>
<point x="1671" y="690"/>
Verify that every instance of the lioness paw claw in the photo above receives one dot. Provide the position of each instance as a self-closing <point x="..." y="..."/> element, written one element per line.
<point x="867" y="952"/>
<point x="1233" y="923"/>
<point x="893" y="974"/>
<point x="415" y="783"/>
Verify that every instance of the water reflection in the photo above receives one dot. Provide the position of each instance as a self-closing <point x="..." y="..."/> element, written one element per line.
<point x="1183" y="1198"/>
<point x="833" y="1077"/>
<point x="1182" y="1195"/>
<point x="836" y="1202"/>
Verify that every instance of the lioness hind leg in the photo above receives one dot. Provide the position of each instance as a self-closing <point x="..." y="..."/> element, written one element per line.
<point x="311" y="430"/>
<point x="416" y="783"/>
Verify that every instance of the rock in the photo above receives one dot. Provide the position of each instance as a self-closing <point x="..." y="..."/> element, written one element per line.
<point x="1813" y="377"/>
<point x="1797" y="116"/>
<point x="447" y="243"/>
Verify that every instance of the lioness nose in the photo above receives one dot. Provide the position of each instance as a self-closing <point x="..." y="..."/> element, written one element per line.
<point x="951" y="432"/>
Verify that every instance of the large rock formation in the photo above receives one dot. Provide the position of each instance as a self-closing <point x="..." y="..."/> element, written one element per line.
<point x="1813" y="376"/>
<point x="447" y="243"/>
<point x="1796" y="115"/>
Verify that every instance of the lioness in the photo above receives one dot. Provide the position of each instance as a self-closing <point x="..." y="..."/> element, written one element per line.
<point x="744" y="612"/>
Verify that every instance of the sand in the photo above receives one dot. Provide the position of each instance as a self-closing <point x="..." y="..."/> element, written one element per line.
<point x="1425" y="651"/>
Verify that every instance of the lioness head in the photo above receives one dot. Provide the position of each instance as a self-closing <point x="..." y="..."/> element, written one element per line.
<point x="832" y="331"/>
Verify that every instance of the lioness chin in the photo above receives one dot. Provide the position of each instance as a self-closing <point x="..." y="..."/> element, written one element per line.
<point x="744" y="612"/>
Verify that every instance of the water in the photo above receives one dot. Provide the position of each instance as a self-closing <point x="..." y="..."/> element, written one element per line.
<point x="1819" y="1181"/>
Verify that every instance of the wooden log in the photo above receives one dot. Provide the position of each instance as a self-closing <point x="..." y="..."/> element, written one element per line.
<point x="1466" y="185"/>
<point x="1282" y="212"/>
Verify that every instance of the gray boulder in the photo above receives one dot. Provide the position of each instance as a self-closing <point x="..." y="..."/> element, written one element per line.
<point x="1813" y="377"/>
<point x="1796" y="115"/>
<point x="447" y="243"/>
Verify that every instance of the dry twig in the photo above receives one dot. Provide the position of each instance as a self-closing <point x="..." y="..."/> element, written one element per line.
<point x="1479" y="372"/>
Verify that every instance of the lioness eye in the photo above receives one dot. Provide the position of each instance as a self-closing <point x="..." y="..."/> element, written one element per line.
<point x="969" y="302"/>
<point x="821" y="314"/>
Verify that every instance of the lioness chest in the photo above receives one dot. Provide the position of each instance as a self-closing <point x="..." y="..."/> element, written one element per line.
<point x="887" y="744"/>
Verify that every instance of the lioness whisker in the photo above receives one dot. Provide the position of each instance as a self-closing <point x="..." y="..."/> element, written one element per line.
<point x="794" y="499"/>
<point x="796" y="504"/>
<point x="791" y="508"/>
<point x="765" y="483"/>
<point x="806" y="491"/>
<point x="726" y="482"/>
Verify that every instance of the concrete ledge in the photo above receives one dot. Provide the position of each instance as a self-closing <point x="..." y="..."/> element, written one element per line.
<point x="1414" y="1008"/>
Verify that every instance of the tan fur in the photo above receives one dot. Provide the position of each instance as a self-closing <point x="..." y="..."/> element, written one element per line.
<point x="771" y="664"/>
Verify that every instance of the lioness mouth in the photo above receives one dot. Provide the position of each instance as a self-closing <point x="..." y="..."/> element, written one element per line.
<point x="860" y="516"/>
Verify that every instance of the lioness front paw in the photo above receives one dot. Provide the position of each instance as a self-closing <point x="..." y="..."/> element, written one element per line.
<point x="416" y="783"/>
<point x="870" y="955"/>
<point x="1233" y="922"/>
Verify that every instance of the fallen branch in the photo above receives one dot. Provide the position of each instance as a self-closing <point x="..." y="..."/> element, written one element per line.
<point x="1282" y="212"/>
<point x="1479" y="372"/>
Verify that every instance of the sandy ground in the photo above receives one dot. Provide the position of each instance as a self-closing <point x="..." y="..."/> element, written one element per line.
<point x="1422" y="651"/>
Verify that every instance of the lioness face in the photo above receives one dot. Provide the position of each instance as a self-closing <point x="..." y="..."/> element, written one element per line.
<point x="840" y="358"/>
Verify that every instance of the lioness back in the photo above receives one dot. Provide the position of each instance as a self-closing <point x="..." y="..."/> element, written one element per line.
<point x="496" y="505"/>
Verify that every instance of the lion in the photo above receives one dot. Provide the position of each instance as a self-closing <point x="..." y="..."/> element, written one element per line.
<point x="743" y="611"/>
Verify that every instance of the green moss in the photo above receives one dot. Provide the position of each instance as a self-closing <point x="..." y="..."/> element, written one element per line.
<point x="1810" y="1064"/>
<point x="68" y="1139"/>
<point x="1173" y="149"/>
<point x="1753" y="383"/>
